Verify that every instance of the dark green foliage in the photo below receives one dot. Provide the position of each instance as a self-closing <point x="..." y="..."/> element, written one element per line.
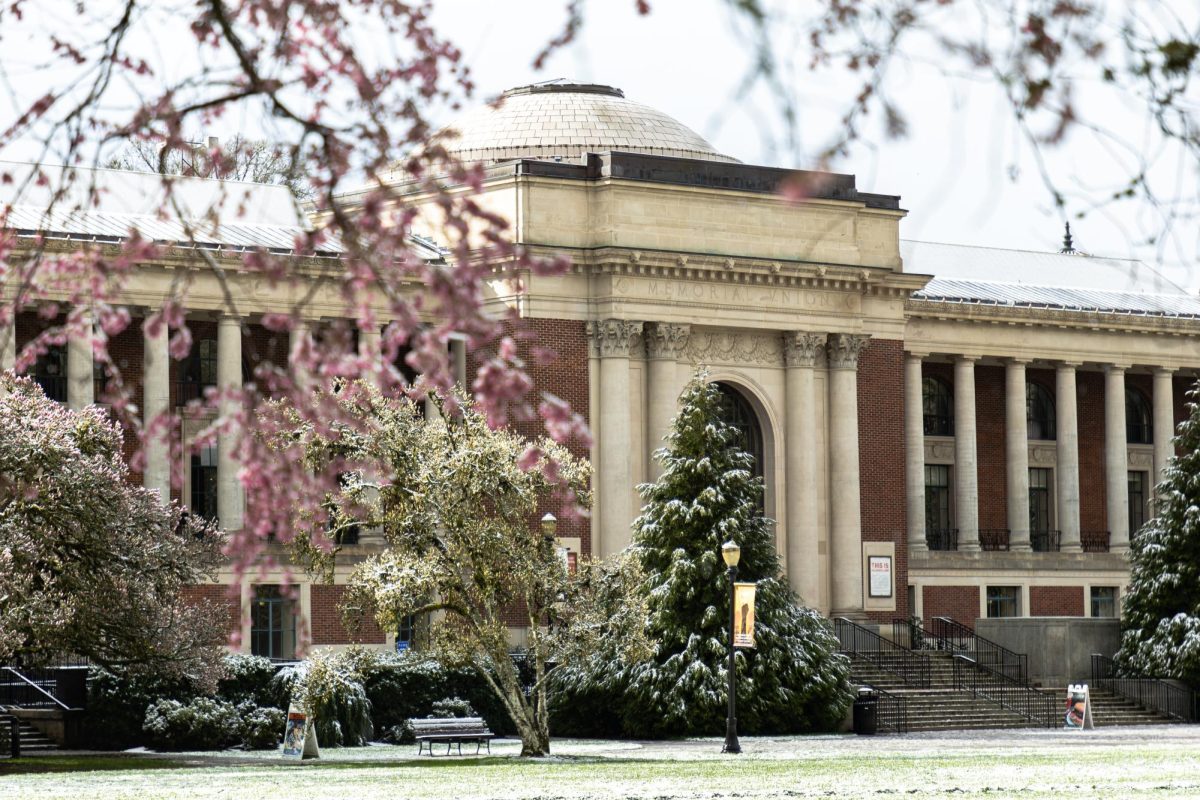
<point x="261" y="728"/>
<point x="335" y="700"/>
<point x="117" y="704"/>
<point x="247" y="678"/>
<point x="1161" y="618"/>
<point x="203" y="724"/>
<point x="452" y="708"/>
<point x="794" y="681"/>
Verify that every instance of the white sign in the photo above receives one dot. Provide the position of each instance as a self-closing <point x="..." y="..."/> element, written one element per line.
<point x="1079" y="708"/>
<point x="880" y="572"/>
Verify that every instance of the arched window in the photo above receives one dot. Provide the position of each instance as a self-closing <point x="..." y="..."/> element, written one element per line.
<point x="937" y="403"/>
<point x="1039" y="411"/>
<point x="737" y="411"/>
<point x="1138" y="422"/>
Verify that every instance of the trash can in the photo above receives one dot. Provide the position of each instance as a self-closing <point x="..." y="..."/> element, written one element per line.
<point x="866" y="712"/>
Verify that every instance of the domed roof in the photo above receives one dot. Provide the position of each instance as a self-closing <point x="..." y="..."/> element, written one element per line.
<point x="563" y="120"/>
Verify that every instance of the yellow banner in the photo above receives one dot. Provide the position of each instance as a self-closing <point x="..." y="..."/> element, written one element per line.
<point x="743" y="614"/>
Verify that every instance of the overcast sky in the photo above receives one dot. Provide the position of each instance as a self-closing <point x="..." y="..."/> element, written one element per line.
<point x="963" y="172"/>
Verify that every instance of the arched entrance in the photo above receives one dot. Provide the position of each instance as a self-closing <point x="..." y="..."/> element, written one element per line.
<point x="737" y="411"/>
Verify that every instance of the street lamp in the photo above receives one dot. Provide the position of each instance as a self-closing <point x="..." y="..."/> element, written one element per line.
<point x="549" y="526"/>
<point x="731" y="554"/>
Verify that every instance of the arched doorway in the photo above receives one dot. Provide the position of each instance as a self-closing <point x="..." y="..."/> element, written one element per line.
<point x="737" y="411"/>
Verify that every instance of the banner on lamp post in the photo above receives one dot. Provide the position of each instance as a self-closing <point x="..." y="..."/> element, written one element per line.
<point x="743" y="614"/>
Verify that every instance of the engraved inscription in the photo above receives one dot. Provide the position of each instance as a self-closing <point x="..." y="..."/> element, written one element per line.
<point x="703" y="292"/>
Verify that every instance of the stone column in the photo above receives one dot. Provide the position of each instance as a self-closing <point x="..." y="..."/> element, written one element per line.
<point x="370" y="344"/>
<point x="298" y="338"/>
<point x="1116" y="459"/>
<point x="1016" y="454"/>
<point x="664" y="343"/>
<point x="156" y="398"/>
<point x="229" y="377"/>
<point x="966" y="461"/>
<point x="8" y="345"/>
<point x="80" y="386"/>
<point x="613" y="337"/>
<point x="1164" y="422"/>
<point x="803" y="560"/>
<point x="914" y="452"/>
<point x="844" y="509"/>
<point x="1067" y="474"/>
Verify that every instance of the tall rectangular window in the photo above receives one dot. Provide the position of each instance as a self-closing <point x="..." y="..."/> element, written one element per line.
<point x="404" y="635"/>
<point x="204" y="483"/>
<point x="1104" y="601"/>
<point x="1041" y="509"/>
<point x="272" y="624"/>
<point x="1138" y="494"/>
<point x="1004" y="601"/>
<point x="939" y="524"/>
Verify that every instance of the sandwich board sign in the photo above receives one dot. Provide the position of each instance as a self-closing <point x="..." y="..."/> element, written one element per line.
<point x="743" y="614"/>
<point x="299" y="737"/>
<point x="1079" y="708"/>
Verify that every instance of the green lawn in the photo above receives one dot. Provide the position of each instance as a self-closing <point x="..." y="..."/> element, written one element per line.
<point x="1156" y="762"/>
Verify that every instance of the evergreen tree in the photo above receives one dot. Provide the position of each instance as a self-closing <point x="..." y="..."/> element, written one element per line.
<point x="707" y="494"/>
<point x="1162" y="607"/>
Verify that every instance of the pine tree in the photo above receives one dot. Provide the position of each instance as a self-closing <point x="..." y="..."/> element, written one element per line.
<point x="707" y="494"/>
<point x="1161" y="617"/>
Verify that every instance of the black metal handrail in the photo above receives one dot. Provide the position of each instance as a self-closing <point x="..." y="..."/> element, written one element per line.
<point x="16" y="689"/>
<point x="909" y="666"/>
<point x="891" y="710"/>
<point x="1176" y="702"/>
<point x="959" y="638"/>
<point x="993" y="538"/>
<point x="1094" y="541"/>
<point x="1045" y="541"/>
<point x="941" y="538"/>
<point x="1017" y="696"/>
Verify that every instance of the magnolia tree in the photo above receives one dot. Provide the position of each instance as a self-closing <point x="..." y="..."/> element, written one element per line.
<point x="457" y="503"/>
<point x="90" y="564"/>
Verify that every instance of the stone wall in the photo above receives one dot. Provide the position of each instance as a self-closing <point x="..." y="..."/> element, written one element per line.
<point x="1059" y="648"/>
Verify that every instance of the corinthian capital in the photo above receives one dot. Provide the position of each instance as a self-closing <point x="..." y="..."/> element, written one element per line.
<point x="666" y="341"/>
<point x="843" y="350"/>
<point x="800" y="348"/>
<point x="612" y="337"/>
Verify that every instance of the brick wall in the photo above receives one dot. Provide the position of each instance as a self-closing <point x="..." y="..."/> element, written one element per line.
<point x="960" y="603"/>
<point x="990" y="401"/>
<point x="881" y="456"/>
<point x="326" y="623"/>
<point x="217" y="595"/>
<point x="1056" y="601"/>
<point x="1093" y="496"/>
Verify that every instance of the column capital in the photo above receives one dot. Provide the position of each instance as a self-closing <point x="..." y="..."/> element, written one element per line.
<point x="612" y="337"/>
<point x="666" y="340"/>
<point x="1065" y="365"/>
<point x="1013" y="361"/>
<point x="1115" y="368"/>
<point x="800" y="348"/>
<point x="917" y="354"/>
<point x="972" y="357"/>
<point x="1165" y="371"/>
<point x="843" y="349"/>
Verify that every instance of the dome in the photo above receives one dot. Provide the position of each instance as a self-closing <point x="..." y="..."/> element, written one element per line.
<point x="562" y="120"/>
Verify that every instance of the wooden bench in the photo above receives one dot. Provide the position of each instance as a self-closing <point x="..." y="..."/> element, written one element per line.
<point x="451" y="731"/>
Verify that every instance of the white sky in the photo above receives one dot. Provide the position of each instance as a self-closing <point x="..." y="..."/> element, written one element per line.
<point x="962" y="172"/>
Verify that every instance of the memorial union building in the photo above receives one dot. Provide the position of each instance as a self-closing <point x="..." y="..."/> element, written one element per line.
<point x="941" y="429"/>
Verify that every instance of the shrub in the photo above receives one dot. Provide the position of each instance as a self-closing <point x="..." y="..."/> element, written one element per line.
<point x="203" y="724"/>
<point x="117" y="703"/>
<point x="261" y="728"/>
<point x="452" y="708"/>
<point x="333" y="696"/>
<point x="247" y="678"/>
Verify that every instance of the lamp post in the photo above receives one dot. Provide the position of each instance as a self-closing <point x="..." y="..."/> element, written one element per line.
<point x="731" y="554"/>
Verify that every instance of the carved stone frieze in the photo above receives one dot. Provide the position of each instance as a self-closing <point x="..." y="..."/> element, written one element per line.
<point x="939" y="452"/>
<point x="762" y="349"/>
<point x="664" y="340"/>
<point x="843" y="350"/>
<point x="800" y="349"/>
<point x="1043" y="455"/>
<point x="612" y="337"/>
<point x="1141" y="457"/>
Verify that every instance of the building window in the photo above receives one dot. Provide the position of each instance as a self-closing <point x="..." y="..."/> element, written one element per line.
<point x="736" y="411"/>
<point x="1138" y="495"/>
<point x="50" y="373"/>
<point x="937" y="404"/>
<point x="204" y="483"/>
<point x="405" y="633"/>
<point x="1039" y="411"/>
<point x="199" y="372"/>
<point x="273" y="624"/>
<point x="1104" y="601"/>
<point x="1003" y="601"/>
<point x="1041" y="510"/>
<point x="939" y="524"/>
<point x="1139" y="428"/>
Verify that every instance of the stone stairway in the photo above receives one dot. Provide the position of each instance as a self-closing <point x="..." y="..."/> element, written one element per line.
<point x="942" y="707"/>
<point x="32" y="740"/>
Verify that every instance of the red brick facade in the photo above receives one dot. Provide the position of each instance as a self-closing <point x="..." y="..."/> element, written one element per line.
<point x="1056" y="601"/>
<point x="881" y="457"/>
<point x="217" y="595"/>
<point x="326" y="623"/>
<point x="960" y="603"/>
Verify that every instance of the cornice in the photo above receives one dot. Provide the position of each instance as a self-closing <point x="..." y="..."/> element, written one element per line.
<point x="1050" y="318"/>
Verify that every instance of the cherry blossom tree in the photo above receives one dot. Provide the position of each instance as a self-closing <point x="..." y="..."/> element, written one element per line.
<point x="89" y="564"/>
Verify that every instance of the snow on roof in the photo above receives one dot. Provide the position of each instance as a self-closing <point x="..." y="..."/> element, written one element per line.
<point x="1022" y="278"/>
<point x="108" y="204"/>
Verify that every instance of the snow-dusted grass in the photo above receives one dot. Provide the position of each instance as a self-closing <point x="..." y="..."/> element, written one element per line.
<point x="1113" y="763"/>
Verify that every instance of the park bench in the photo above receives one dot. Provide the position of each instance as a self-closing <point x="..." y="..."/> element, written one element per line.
<point x="451" y="731"/>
